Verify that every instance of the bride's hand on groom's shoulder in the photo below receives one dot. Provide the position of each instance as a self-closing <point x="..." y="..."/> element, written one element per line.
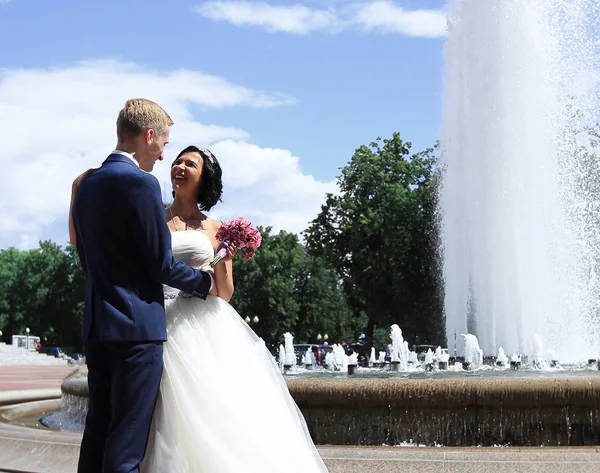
<point x="81" y="177"/>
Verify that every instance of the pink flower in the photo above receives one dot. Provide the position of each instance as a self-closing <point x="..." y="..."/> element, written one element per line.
<point x="240" y="231"/>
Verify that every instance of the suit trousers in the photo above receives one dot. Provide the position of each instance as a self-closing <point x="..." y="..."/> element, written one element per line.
<point x="124" y="381"/>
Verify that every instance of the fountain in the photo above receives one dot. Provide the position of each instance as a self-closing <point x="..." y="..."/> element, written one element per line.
<point x="290" y="355"/>
<point x="413" y="358"/>
<point x="501" y="359"/>
<point x="307" y="359"/>
<point x="441" y="358"/>
<point x="352" y="363"/>
<point x="538" y="360"/>
<point x="429" y="360"/>
<point x="399" y="350"/>
<point x="473" y="354"/>
<point x="520" y="248"/>
<point x="515" y="361"/>
<point x="281" y="357"/>
<point x="337" y="359"/>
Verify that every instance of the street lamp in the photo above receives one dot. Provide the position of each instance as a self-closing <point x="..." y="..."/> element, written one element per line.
<point x="325" y="337"/>
<point x="319" y="337"/>
<point x="27" y="332"/>
<point x="247" y="319"/>
<point x="255" y="319"/>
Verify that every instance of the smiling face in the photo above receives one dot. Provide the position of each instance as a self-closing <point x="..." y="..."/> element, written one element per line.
<point x="186" y="174"/>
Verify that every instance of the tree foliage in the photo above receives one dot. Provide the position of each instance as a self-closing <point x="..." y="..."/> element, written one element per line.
<point x="290" y="292"/>
<point x="43" y="290"/>
<point x="381" y="235"/>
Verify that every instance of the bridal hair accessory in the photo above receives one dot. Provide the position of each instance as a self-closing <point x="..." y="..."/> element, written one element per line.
<point x="211" y="157"/>
<point x="241" y="232"/>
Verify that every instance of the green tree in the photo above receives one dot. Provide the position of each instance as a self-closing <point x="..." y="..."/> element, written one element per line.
<point x="323" y="305"/>
<point x="12" y="298"/>
<point x="292" y="292"/>
<point x="42" y="289"/>
<point x="64" y="282"/>
<point x="381" y="235"/>
<point x="265" y="285"/>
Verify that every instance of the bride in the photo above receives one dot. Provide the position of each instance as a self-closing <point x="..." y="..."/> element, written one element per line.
<point x="224" y="406"/>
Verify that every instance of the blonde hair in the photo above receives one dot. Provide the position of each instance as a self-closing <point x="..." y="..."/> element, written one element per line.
<point x="138" y="114"/>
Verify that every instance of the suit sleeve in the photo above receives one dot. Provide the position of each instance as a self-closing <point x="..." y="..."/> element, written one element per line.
<point x="154" y="240"/>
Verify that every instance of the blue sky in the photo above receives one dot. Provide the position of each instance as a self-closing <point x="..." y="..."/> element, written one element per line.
<point x="292" y="87"/>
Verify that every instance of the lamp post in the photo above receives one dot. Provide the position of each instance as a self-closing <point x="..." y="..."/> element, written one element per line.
<point x="255" y="319"/>
<point x="319" y="337"/>
<point x="247" y="319"/>
<point x="27" y="332"/>
<point x="325" y="337"/>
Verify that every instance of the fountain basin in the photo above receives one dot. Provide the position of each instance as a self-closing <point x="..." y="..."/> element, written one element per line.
<point x="444" y="411"/>
<point x="451" y="412"/>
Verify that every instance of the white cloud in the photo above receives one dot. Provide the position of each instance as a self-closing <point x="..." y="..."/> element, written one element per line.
<point x="383" y="16"/>
<point x="269" y="184"/>
<point x="296" y="19"/>
<point x="56" y="123"/>
<point x="386" y="17"/>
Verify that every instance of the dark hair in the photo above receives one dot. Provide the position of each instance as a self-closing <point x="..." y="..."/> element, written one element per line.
<point x="211" y="185"/>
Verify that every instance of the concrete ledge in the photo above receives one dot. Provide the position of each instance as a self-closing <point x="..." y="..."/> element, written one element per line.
<point x="13" y="412"/>
<point x="28" y="395"/>
<point x="438" y="393"/>
<point x="447" y="393"/>
<point x="37" y="450"/>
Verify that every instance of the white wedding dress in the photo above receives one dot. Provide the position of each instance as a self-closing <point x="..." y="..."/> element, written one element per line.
<point x="224" y="406"/>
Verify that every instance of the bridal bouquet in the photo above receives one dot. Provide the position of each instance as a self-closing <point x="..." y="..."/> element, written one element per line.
<point x="240" y="231"/>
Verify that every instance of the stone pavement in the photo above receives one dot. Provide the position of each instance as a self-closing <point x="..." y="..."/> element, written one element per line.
<point x="463" y="460"/>
<point x="54" y="452"/>
<point x="14" y="378"/>
<point x="11" y="355"/>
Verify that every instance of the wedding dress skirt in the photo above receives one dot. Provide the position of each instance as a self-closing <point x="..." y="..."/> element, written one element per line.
<point x="224" y="406"/>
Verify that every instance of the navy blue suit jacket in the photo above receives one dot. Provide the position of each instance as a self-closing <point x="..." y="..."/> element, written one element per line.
<point x="125" y="247"/>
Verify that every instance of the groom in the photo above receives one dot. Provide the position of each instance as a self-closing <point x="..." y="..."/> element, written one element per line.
<point x="125" y="248"/>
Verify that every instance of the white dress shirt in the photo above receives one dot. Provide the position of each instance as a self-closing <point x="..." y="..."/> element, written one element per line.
<point x="128" y="155"/>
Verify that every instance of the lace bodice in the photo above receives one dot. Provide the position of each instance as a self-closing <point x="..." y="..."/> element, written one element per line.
<point x="193" y="248"/>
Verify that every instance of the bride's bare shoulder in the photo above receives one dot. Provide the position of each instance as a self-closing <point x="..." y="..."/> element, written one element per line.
<point x="212" y="225"/>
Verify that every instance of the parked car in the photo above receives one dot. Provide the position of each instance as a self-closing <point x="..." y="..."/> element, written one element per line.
<point x="320" y="351"/>
<point x="421" y="351"/>
<point x="300" y="350"/>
